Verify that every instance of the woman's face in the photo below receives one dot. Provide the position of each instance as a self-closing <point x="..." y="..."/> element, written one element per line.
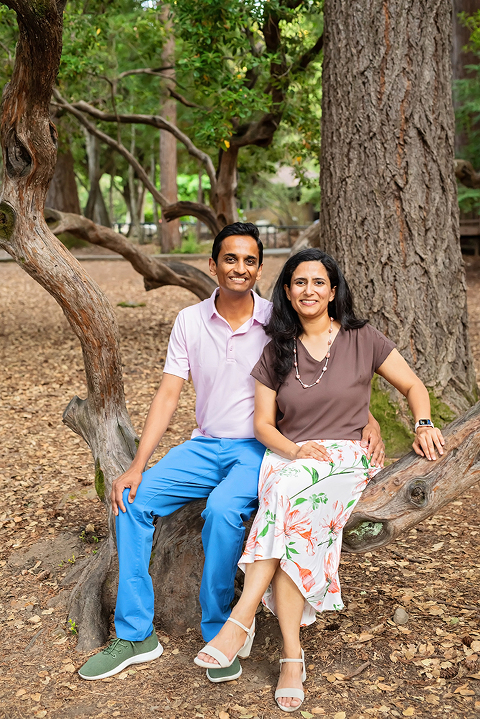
<point x="310" y="290"/>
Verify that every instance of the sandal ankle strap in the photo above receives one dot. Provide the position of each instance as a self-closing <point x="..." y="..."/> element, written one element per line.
<point x="239" y="624"/>
<point x="282" y="661"/>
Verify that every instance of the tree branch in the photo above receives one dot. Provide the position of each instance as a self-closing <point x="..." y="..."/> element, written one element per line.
<point x="155" y="272"/>
<point x="154" y="121"/>
<point x="202" y="212"/>
<point x="208" y="215"/>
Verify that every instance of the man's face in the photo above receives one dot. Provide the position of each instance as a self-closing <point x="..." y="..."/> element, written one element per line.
<point x="237" y="267"/>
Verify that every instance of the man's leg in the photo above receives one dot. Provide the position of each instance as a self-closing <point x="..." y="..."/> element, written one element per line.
<point x="229" y="505"/>
<point x="190" y="471"/>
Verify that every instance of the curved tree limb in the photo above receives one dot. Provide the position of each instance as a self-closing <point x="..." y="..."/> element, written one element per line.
<point x="202" y="212"/>
<point x="154" y="121"/>
<point x="465" y="174"/>
<point x="155" y="272"/>
<point x="208" y="215"/>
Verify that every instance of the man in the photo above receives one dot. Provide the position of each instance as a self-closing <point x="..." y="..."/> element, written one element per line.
<point x="218" y="342"/>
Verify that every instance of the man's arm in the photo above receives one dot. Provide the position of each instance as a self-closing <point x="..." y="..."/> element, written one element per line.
<point x="159" y="415"/>
<point x="372" y="438"/>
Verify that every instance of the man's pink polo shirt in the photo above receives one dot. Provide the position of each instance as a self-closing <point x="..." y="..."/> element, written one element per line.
<point x="219" y="360"/>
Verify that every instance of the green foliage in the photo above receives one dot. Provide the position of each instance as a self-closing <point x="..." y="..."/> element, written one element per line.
<point x="467" y="92"/>
<point x="224" y="63"/>
<point x="469" y="199"/>
<point x="190" y="245"/>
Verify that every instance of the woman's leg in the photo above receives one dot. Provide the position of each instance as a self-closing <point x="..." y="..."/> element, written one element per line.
<point x="289" y="604"/>
<point x="231" y="638"/>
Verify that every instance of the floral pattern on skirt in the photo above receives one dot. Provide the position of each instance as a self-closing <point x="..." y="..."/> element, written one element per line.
<point x="304" y="505"/>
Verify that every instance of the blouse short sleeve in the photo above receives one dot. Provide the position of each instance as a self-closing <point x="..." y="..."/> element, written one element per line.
<point x="263" y="370"/>
<point x="382" y="347"/>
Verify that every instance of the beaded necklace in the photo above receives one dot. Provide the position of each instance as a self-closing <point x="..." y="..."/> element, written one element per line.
<point x="327" y="357"/>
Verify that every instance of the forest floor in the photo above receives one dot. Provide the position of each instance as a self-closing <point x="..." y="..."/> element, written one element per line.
<point x="361" y="665"/>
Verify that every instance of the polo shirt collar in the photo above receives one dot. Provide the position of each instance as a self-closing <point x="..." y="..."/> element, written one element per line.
<point x="257" y="315"/>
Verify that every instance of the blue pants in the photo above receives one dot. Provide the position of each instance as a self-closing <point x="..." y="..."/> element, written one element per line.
<point x="224" y="470"/>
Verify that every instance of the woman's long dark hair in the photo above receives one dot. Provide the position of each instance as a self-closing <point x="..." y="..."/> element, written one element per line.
<point x="284" y="324"/>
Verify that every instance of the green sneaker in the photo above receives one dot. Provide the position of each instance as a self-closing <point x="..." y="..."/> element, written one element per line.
<point x="225" y="675"/>
<point x="119" y="654"/>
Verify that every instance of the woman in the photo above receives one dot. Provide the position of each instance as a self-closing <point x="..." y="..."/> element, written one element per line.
<point x="311" y="401"/>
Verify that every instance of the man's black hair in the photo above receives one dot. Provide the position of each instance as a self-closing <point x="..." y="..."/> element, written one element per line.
<point x="238" y="229"/>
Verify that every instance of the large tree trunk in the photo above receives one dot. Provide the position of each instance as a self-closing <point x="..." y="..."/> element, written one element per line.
<point x="389" y="210"/>
<point x="29" y="142"/>
<point x="168" y="143"/>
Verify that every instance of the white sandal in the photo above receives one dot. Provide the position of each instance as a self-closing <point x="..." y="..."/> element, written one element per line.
<point x="294" y="693"/>
<point x="223" y="661"/>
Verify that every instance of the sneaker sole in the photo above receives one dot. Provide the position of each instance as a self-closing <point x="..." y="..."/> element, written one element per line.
<point x="139" y="659"/>
<point x="229" y="678"/>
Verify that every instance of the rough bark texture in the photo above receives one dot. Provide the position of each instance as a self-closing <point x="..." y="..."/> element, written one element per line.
<point x="155" y="272"/>
<point x="63" y="194"/>
<point x="225" y="200"/>
<point x="389" y="211"/>
<point x="29" y="142"/>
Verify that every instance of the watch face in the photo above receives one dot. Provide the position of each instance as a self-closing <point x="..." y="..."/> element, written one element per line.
<point x="423" y="422"/>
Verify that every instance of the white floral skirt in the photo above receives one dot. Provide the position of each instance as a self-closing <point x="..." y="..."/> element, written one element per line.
<point x="303" y="506"/>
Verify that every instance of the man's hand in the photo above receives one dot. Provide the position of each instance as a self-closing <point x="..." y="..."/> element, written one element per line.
<point x="372" y="439"/>
<point x="313" y="450"/>
<point x="130" y="479"/>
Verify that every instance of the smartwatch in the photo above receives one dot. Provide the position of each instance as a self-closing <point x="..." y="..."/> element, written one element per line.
<point x="424" y="423"/>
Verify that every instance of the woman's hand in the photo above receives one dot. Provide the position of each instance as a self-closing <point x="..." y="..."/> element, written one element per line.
<point x="312" y="450"/>
<point x="372" y="439"/>
<point x="426" y="439"/>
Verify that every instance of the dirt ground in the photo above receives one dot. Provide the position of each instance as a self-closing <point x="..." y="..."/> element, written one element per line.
<point x="361" y="664"/>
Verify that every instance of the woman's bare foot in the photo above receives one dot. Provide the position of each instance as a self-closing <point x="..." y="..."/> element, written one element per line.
<point x="229" y="640"/>
<point x="291" y="678"/>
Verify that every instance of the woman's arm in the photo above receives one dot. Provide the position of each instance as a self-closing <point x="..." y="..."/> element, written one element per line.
<point x="396" y="371"/>
<point x="264" y="427"/>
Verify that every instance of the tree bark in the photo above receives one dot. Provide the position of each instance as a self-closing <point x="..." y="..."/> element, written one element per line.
<point x="168" y="144"/>
<point x="29" y="141"/>
<point x="224" y="199"/>
<point x="155" y="273"/>
<point x="389" y="211"/>
<point x="95" y="209"/>
<point x="413" y="489"/>
<point x="62" y="194"/>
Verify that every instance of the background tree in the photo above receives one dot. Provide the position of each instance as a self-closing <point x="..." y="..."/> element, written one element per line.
<point x="389" y="209"/>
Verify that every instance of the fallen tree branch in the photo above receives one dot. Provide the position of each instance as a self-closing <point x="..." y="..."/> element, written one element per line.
<point x="155" y="272"/>
<point x="412" y="489"/>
